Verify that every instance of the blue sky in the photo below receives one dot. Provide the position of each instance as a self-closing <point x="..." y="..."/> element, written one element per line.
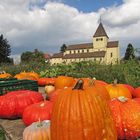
<point x="47" y="24"/>
<point x="91" y="5"/>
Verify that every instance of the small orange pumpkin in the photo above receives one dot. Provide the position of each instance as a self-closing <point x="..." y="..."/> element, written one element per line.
<point x="63" y="81"/>
<point x="116" y="90"/>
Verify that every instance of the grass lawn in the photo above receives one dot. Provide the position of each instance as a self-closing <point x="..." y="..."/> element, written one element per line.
<point x="2" y="136"/>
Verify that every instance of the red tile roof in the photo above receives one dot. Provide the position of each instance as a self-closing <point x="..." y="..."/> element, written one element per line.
<point x="47" y="56"/>
<point x="57" y="55"/>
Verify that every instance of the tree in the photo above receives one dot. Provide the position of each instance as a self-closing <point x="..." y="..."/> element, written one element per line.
<point x="63" y="48"/>
<point x="36" y="56"/>
<point x="5" y="50"/>
<point x="26" y="56"/>
<point x="129" y="54"/>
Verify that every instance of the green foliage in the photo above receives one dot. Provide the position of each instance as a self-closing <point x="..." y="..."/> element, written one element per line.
<point x="36" y="56"/>
<point x="5" y="50"/>
<point x="127" y="72"/>
<point x="129" y="54"/>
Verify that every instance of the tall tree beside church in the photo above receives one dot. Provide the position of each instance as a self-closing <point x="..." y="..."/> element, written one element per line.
<point x="5" y="50"/>
<point x="130" y="53"/>
<point x="63" y="48"/>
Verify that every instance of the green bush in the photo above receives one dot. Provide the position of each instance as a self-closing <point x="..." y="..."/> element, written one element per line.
<point x="127" y="72"/>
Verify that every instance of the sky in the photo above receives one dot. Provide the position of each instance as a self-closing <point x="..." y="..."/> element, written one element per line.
<point x="47" y="24"/>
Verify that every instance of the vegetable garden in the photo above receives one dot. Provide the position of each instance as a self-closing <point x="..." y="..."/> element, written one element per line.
<point x="85" y="101"/>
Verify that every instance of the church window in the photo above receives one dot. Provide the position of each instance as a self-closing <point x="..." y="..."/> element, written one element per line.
<point x="87" y="50"/>
<point x="111" y="54"/>
<point x="97" y="39"/>
<point x="101" y="39"/>
<point x="82" y="50"/>
<point x="70" y="52"/>
<point x="78" y="51"/>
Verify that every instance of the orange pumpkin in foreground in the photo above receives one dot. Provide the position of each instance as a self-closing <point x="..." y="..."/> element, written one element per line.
<point x="126" y="113"/>
<point x="78" y="114"/>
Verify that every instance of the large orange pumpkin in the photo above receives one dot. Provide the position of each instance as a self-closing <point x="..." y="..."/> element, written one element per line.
<point x="78" y="114"/>
<point x="97" y="85"/>
<point x="37" y="131"/>
<point x="126" y="113"/>
<point x="64" y="81"/>
<point x="116" y="90"/>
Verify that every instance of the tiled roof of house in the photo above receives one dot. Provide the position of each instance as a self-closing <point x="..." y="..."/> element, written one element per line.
<point x="85" y="55"/>
<point x="80" y="46"/>
<point x="112" y="44"/>
<point x="47" y="56"/>
<point x="100" y="31"/>
<point x="57" y="55"/>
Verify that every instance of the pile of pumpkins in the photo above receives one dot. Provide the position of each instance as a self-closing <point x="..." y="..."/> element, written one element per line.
<point x="84" y="109"/>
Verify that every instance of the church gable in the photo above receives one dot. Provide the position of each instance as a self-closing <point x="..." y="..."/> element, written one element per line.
<point x="100" y="31"/>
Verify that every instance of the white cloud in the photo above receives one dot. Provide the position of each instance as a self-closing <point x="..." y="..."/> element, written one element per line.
<point x="55" y="23"/>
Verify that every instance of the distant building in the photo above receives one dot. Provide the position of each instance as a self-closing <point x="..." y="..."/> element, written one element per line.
<point x="101" y="50"/>
<point x="47" y="57"/>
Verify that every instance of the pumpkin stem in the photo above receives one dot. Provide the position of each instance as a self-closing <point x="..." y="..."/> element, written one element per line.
<point x="79" y="85"/>
<point x="122" y="99"/>
<point x="115" y="82"/>
<point x="92" y="81"/>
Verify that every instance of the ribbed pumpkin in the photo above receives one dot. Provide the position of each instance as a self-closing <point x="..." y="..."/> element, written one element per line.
<point x="37" y="131"/>
<point x="13" y="103"/>
<point x="37" y="111"/>
<point x="126" y="113"/>
<point x="63" y="81"/>
<point x="78" y="114"/>
<point x="116" y="90"/>
<point x="97" y="85"/>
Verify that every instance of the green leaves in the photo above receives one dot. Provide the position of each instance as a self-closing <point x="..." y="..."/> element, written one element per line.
<point x="128" y="72"/>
